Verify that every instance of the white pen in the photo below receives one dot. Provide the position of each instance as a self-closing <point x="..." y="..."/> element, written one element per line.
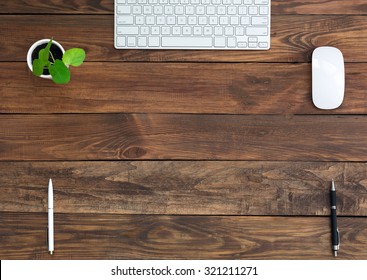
<point x="50" y="217"/>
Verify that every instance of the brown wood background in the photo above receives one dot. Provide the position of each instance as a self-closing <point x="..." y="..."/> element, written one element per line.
<point x="152" y="161"/>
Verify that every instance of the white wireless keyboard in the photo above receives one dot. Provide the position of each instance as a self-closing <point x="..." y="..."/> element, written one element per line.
<point x="192" y="24"/>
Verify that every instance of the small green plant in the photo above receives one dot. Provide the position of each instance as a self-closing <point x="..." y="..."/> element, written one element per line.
<point x="58" y="69"/>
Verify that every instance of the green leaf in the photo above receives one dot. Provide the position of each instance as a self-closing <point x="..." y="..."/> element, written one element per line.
<point x="44" y="54"/>
<point x="59" y="72"/>
<point x="74" y="57"/>
<point x="37" y="67"/>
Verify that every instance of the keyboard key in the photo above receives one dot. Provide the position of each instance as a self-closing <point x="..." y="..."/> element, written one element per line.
<point x="168" y="10"/>
<point x="261" y="2"/>
<point x="221" y="10"/>
<point x="259" y="20"/>
<point x="124" y="10"/>
<point x="240" y="31"/>
<point x="253" y="10"/>
<point x="125" y="20"/>
<point x="210" y="10"/>
<point x="220" y="42"/>
<point x="256" y="31"/>
<point x="192" y="20"/>
<point x="190" y="42"/>
<point x="166" y="30"/>
<point x="158" y="10"/>
<point x="213" y="20"/>
<point x="245" y="20"/>
<point x="176" y="30"/>
<point x="144" y="30"/>
<point x="229" y="30"/>
<point x="155" y="30"/>
<point x="223" y="20"/>
<point x="186" y="30"/>
<point x="208" y="30"/>
<point x="131" y="30"/>
<point x="232" y="10"/>
<point x="154" y="41"/>
<point x="137" y="10"/>
<point x="218" y="30"/>
<point x="235" y="21"/>
<point x="121" y="41"/>
<point x="142" y="41"/>
<point x="171" y="20"/>
<point x="242" y="10"/>
<point x="264" y="10"/>
<point x="231" y="42"/>
<point x="147" y="10"/>
<point x="203" y="20"/>
<point x="161" y="20"/>
<point x="139" y="20"/>
<point x="181" y="20"/>
<point x="198" y="30"/>
<point x="190" y="10"/>
<point x="200" y="10"/>
<point x="179" y="10"/>
<point x="150" y="20"/>
<point x="131" y="41"/>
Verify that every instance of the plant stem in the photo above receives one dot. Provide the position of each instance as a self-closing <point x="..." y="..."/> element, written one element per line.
<point x="52" y="56"/>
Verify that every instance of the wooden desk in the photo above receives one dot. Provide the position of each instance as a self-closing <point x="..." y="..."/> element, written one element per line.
<point x="181" y="154"/>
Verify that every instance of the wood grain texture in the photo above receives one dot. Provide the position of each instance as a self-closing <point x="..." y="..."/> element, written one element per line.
<point x="176" y="88"/>
<point x="172" y="136"/>
<point x="185" y="187"/>
<point x="106" y="7"/>
<point x="98" y="236"/>
<point x="293" y="38"/>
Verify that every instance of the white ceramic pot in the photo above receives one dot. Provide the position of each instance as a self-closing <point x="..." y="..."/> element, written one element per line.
<point x="32" y="48"/>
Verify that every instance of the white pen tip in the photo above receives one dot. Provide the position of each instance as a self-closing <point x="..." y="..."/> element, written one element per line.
<point x="335" y="253"/>
<point x="51" y="252"/>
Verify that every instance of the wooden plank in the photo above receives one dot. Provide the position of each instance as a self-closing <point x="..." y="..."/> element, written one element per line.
<point x="97" y="236"/>
<point x="176" y="88"/>
<point x="313" y="7"/>
<point x="100" y="7"/>
<point x="174" y="136"/>
<point x="106" y="7"/>
<point x="294" y="37"/>
<point x="184" y="187"/>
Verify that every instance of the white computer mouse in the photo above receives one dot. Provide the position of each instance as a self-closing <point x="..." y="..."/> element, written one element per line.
<point x="327" y="78"/>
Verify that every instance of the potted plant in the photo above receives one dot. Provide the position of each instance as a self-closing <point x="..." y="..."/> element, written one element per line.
<point x="47" y="59"/>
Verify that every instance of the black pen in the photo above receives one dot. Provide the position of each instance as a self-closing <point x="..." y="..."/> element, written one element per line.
<point x="335" y="238"/>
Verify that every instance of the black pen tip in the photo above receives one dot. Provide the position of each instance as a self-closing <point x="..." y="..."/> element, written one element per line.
<point x="332" y="185"/>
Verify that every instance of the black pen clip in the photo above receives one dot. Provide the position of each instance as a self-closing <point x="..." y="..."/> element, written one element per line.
<point x="47" y="237"/>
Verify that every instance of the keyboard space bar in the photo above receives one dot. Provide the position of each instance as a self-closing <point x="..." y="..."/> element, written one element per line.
<point x="196" y="42"/>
